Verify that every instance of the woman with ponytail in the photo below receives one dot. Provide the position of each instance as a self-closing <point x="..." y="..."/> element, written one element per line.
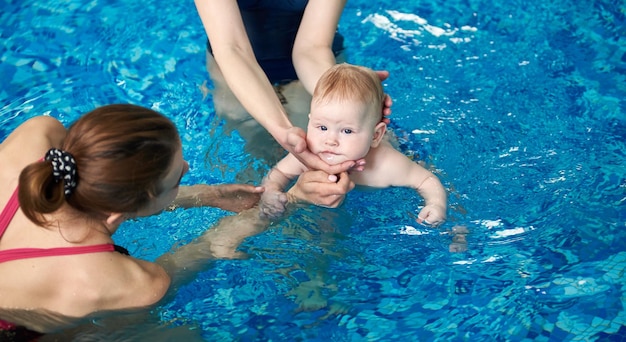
<point x="64" y="192"/>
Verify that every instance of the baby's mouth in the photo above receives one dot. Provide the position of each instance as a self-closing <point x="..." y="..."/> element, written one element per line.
<point x="329" y="157"/>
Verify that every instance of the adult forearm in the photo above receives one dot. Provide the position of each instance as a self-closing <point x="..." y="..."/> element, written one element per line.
<point x="196" y="196"/>
<point x="231" y="197"/>
<point x="252" y="88"/>
<point x="235" y="57"/>
<point x="311" y="63"/>
<point x="312" y="51"/>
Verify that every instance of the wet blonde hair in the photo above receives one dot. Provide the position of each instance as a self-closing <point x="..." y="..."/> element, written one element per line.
<point x="350" y="82"/>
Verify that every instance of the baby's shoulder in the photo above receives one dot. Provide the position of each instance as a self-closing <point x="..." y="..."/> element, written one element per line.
<point x="387" y="155"/>
<point x="383" y="165"/>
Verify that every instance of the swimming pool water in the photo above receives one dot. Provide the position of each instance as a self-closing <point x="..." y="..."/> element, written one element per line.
<point x="518" y="105"/>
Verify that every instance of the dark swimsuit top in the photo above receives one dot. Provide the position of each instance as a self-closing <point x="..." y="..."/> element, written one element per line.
<point x="272" y="26"/>
<point x="7" y="329"/>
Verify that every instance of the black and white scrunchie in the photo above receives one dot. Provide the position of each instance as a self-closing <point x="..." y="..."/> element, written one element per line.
<point x="63" y="169"/>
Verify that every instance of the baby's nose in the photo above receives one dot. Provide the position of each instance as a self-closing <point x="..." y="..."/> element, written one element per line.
<point x="330" y="141"/>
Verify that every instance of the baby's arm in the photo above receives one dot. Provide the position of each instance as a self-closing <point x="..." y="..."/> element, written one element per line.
<point x="435" y="197"/>
<point x="274" y="200"/>
<point x="402" y="171"/>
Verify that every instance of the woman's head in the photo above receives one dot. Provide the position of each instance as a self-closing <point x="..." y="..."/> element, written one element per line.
<point x="122" y="153"/>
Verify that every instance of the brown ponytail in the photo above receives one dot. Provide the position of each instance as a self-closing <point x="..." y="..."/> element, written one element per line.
<point x="122" y="152"/>
<point x="47" y="195"/>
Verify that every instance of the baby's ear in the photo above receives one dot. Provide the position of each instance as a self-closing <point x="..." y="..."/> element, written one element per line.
<point x="379" y="133"/>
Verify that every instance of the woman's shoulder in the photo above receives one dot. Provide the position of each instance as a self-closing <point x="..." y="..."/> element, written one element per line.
<point x="37" y="131"/>
<point x="125" y="282"/>
<point x="41" y="124"/>
<point x="104" y="281"/>
<point x="27" y="144"/>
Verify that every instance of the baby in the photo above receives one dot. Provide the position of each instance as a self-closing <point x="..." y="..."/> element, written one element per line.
<point x="345" y="123"/>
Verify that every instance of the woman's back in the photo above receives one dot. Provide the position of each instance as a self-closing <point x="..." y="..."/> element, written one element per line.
<point x="70" y="266"/>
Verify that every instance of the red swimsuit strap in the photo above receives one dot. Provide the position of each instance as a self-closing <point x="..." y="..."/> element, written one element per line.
<point x="8" y="212"/>
<point x="4" y="325"/>
<point x="26" y="253"/>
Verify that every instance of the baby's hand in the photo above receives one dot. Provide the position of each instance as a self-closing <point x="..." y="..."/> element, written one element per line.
<point x="273" y="204"/>
<point x="432" y="215"/>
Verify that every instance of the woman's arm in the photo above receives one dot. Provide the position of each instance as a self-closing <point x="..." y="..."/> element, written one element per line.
<point x="231" y="197"/>
<point x="312" y="187"/>
<point x="233" y="53"/>
<point x="222" y="240"/>
<point x="312" y="51"/>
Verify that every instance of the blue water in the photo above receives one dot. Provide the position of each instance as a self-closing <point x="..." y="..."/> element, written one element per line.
<point x="519" y="107"/>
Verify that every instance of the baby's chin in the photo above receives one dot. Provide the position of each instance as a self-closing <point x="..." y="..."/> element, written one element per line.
<point x="332" y="159"/>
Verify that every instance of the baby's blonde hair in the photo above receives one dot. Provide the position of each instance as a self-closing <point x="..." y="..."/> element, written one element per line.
<point x="350" y="82"/>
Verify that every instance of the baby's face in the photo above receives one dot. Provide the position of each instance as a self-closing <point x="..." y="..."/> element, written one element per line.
<point x="340" y="130"/>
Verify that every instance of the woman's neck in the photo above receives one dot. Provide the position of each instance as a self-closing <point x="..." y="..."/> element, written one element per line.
<point x="75" y="227"/>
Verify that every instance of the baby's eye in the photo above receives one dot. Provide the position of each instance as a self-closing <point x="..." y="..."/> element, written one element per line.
<point x="347" y="131"/>
<point x="323" y="128"/>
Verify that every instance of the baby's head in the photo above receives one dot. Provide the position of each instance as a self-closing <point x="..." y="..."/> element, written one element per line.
<point x="351" y="83"/>
<point x="346" y="114"/>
